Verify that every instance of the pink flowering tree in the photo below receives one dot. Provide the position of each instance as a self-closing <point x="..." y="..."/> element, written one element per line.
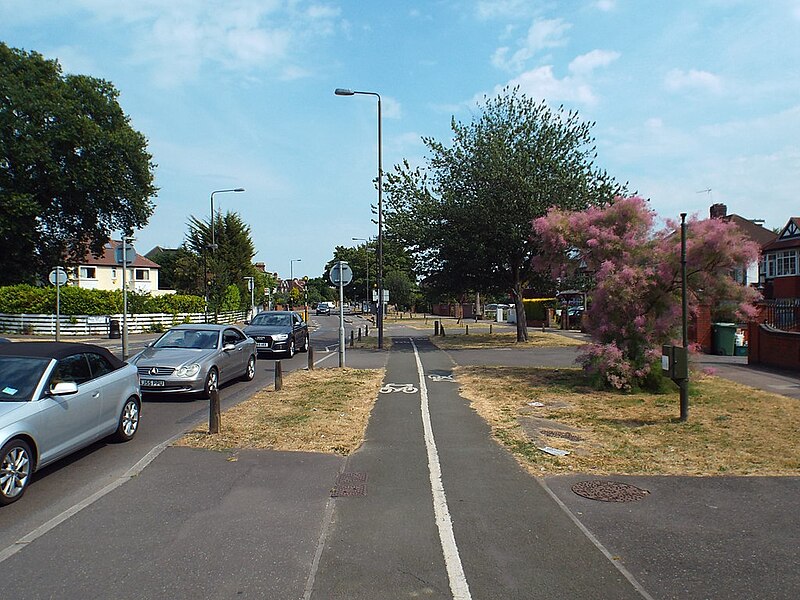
<point x="636" y="302"/>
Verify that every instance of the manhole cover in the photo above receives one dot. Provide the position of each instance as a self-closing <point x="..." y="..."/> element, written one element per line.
<point x="351" y="478"/>
<point x="564" y="435"/>
<point x="343" y="491"/>
<point x="609" y="491"/>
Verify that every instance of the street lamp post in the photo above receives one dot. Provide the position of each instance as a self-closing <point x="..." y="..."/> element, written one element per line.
<point x="366" y="253"/>
<point x="348" y="92"/>
<point x="291" y="278"/>
<point x="213" y="245"/>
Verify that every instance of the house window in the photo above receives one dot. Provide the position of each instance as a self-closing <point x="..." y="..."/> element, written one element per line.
<point x="88" y="273"/>
<point x="782" y="264"/>
<point x="142" y="275"/>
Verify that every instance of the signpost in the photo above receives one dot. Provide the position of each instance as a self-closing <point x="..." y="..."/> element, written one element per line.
<point x="58" y="277"/>
<point x="125" y="255"/>
<point x="341" y="274"/>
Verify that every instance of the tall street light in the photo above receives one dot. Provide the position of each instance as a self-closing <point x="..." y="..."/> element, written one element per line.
<point x="213" y="243"/>
<point x="348" y="92"/>
<point x="366" y="252"/>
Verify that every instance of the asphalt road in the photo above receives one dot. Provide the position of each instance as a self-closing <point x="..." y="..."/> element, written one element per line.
<point x="69" y="482"/>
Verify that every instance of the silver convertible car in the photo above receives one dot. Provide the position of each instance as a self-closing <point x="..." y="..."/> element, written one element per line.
<point x="56" y="398"/>
<point x="196" y="359"/>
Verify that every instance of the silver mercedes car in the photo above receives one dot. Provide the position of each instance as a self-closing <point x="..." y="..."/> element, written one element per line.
<point x="56" y="398"/>
<point x="196" y="359"/>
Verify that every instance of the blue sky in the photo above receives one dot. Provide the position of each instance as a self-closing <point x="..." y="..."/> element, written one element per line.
<point x="686" y="96"/>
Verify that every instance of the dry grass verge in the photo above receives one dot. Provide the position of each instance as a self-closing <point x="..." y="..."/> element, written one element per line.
<point x="732" y="429"/>
<point x="325" y="410"/>
<point x="536" y="339"/>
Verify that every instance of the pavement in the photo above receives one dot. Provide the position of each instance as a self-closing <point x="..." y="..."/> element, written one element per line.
<point x="264" y="524"/>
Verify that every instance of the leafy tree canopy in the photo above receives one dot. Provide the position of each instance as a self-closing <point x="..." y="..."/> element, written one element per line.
<point x="467" y="215"/>
<point x="636" y="302"/>
<point x="72" y="169"/>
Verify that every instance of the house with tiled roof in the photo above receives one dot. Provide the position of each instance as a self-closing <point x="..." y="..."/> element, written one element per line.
<point x="753" y="230"/>
<point x="781" y="263"/>
<point x="104" y="273"/>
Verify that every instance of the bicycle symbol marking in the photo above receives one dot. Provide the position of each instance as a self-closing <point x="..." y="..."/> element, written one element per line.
<point x="406" y="388"/>
<point x="441" y="378"/>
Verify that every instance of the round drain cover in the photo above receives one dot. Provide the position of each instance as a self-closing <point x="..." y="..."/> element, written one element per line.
<point x="609" y="491"/>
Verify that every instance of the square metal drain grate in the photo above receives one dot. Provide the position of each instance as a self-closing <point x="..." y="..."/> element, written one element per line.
<point x="350" y="484"/>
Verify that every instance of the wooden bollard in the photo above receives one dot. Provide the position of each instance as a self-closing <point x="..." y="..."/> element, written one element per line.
<point x="441" y="329"/>
<point x="213" y="412"/>
<point x="466" y="331"/>
<point x="359" y="334"/>
<point x="490" y="329"/>
<point x="366" y="330"/>
<point x="310" y="357"/>
<point x="436" y="328"/>
<point x="278" y="375"/>
<point x="352" y="338"/>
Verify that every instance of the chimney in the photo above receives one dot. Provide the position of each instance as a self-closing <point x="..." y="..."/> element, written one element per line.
<point x="718" y="211"/>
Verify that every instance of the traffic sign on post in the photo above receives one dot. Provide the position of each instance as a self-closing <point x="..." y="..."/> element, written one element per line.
<point x="345" y="270"/>
<point x="58" y="276"/>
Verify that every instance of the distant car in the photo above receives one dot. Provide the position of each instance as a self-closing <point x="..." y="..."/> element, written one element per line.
<point x="347" y="309"/>
<point x="278" y="332"/>
<point x="196" y="359"/>
<point x="56" y="398"/>
<point x="323" y="308"/>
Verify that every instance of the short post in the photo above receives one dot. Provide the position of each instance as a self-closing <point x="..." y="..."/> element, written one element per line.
<point x="441" y="329"/>
<point x="359" y="334"/>
<point x="352" y="338"/>
<point x="310" y="357"/>
<point x="436" y="328"/>
<point x="278" y="375"/>
<point x="490" y="329"/>
<point x="366" y="330"/>
<point x="466" y="329"/>
<point x="214" y="412"/>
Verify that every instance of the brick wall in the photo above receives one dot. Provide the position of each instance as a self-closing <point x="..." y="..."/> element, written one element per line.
<point x="700" y="331"/>
<point x="772" y="347"/>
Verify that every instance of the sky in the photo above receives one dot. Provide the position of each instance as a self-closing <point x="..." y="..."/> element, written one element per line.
<point x="694" y="102"/>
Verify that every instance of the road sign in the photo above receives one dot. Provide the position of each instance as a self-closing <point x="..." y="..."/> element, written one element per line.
<point x="58" y="276"/>
<point x="385" y="296"/>
<point x="346" y="271"/>
<point x="130" y="254"/>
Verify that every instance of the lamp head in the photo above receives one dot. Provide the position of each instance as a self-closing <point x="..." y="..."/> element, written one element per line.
<point x="343" y="92"/>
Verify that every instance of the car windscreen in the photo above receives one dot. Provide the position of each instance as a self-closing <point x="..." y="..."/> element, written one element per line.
<point x="19" y="376"/>
<point x="272" y="320"/>
<point x="198" y="339"/>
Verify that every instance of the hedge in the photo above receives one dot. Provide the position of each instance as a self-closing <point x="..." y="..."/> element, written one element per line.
<point x="536" y="308"/>
<point x="27" y="299"/>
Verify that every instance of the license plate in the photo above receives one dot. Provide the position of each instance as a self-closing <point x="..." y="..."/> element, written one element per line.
<point x="262" y="344"/>
<point x="152" y="382"/>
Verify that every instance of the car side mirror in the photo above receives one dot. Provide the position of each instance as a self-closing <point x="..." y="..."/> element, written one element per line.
<point x="247" y="322"/>
<point x="228" y="347"/>
<point x="64" y="388"/>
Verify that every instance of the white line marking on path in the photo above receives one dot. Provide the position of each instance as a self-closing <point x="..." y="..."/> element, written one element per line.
<point x="455" y="571"/>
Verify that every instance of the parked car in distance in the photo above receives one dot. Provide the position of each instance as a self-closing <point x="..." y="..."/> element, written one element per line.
<point x="278" y="332"/>
<point x="323" y="308"/>
<point x="196" y="359"/>
<point x="56" y="398"/>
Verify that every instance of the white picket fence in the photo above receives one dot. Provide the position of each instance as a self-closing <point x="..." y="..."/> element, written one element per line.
<point x="80" y="325"/>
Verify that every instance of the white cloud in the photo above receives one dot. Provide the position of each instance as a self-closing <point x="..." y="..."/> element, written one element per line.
<point x="542" y="34"/>
<point x="677" y="80"/>
<point x="586" y="63"/>
<point x="542" y="83"/>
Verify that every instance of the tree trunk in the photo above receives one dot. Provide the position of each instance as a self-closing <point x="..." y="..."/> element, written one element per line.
<point x="522" y="324"/>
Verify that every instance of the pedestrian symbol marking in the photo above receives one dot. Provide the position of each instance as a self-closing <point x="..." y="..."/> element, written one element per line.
<point x="406" y="388"/>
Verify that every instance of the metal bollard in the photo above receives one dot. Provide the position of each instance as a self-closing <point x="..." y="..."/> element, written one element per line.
<point x="310" y="357"/>
<point x="436" y="328"/>
<point x="278" y="375"/>
<point x="490" y="329"/>
<point x="213" y="412"/>
<point x="359" y="334"/>
<point x="466" y="331"/>
<point x="366" y="330"/>
<point x="352" y="338"/>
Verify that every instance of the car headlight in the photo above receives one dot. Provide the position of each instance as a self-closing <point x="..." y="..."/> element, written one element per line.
<point x="280" y="337"/>
<point x="188" y="370"/>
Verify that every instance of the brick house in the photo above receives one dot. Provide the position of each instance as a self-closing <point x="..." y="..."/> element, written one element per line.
<point x="781" y="263"/>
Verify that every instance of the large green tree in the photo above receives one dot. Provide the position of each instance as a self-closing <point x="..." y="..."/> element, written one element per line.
<point x="466" y="215"/>
<point x="228" y="263"/>
<point x="72" y="169"/>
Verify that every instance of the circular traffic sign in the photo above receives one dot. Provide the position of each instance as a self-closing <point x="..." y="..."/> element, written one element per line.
<point x="58" y="276"/>
<point x="341" y="270"/>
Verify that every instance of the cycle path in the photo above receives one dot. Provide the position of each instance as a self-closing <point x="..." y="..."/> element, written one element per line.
<point x="447" y="513"/>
